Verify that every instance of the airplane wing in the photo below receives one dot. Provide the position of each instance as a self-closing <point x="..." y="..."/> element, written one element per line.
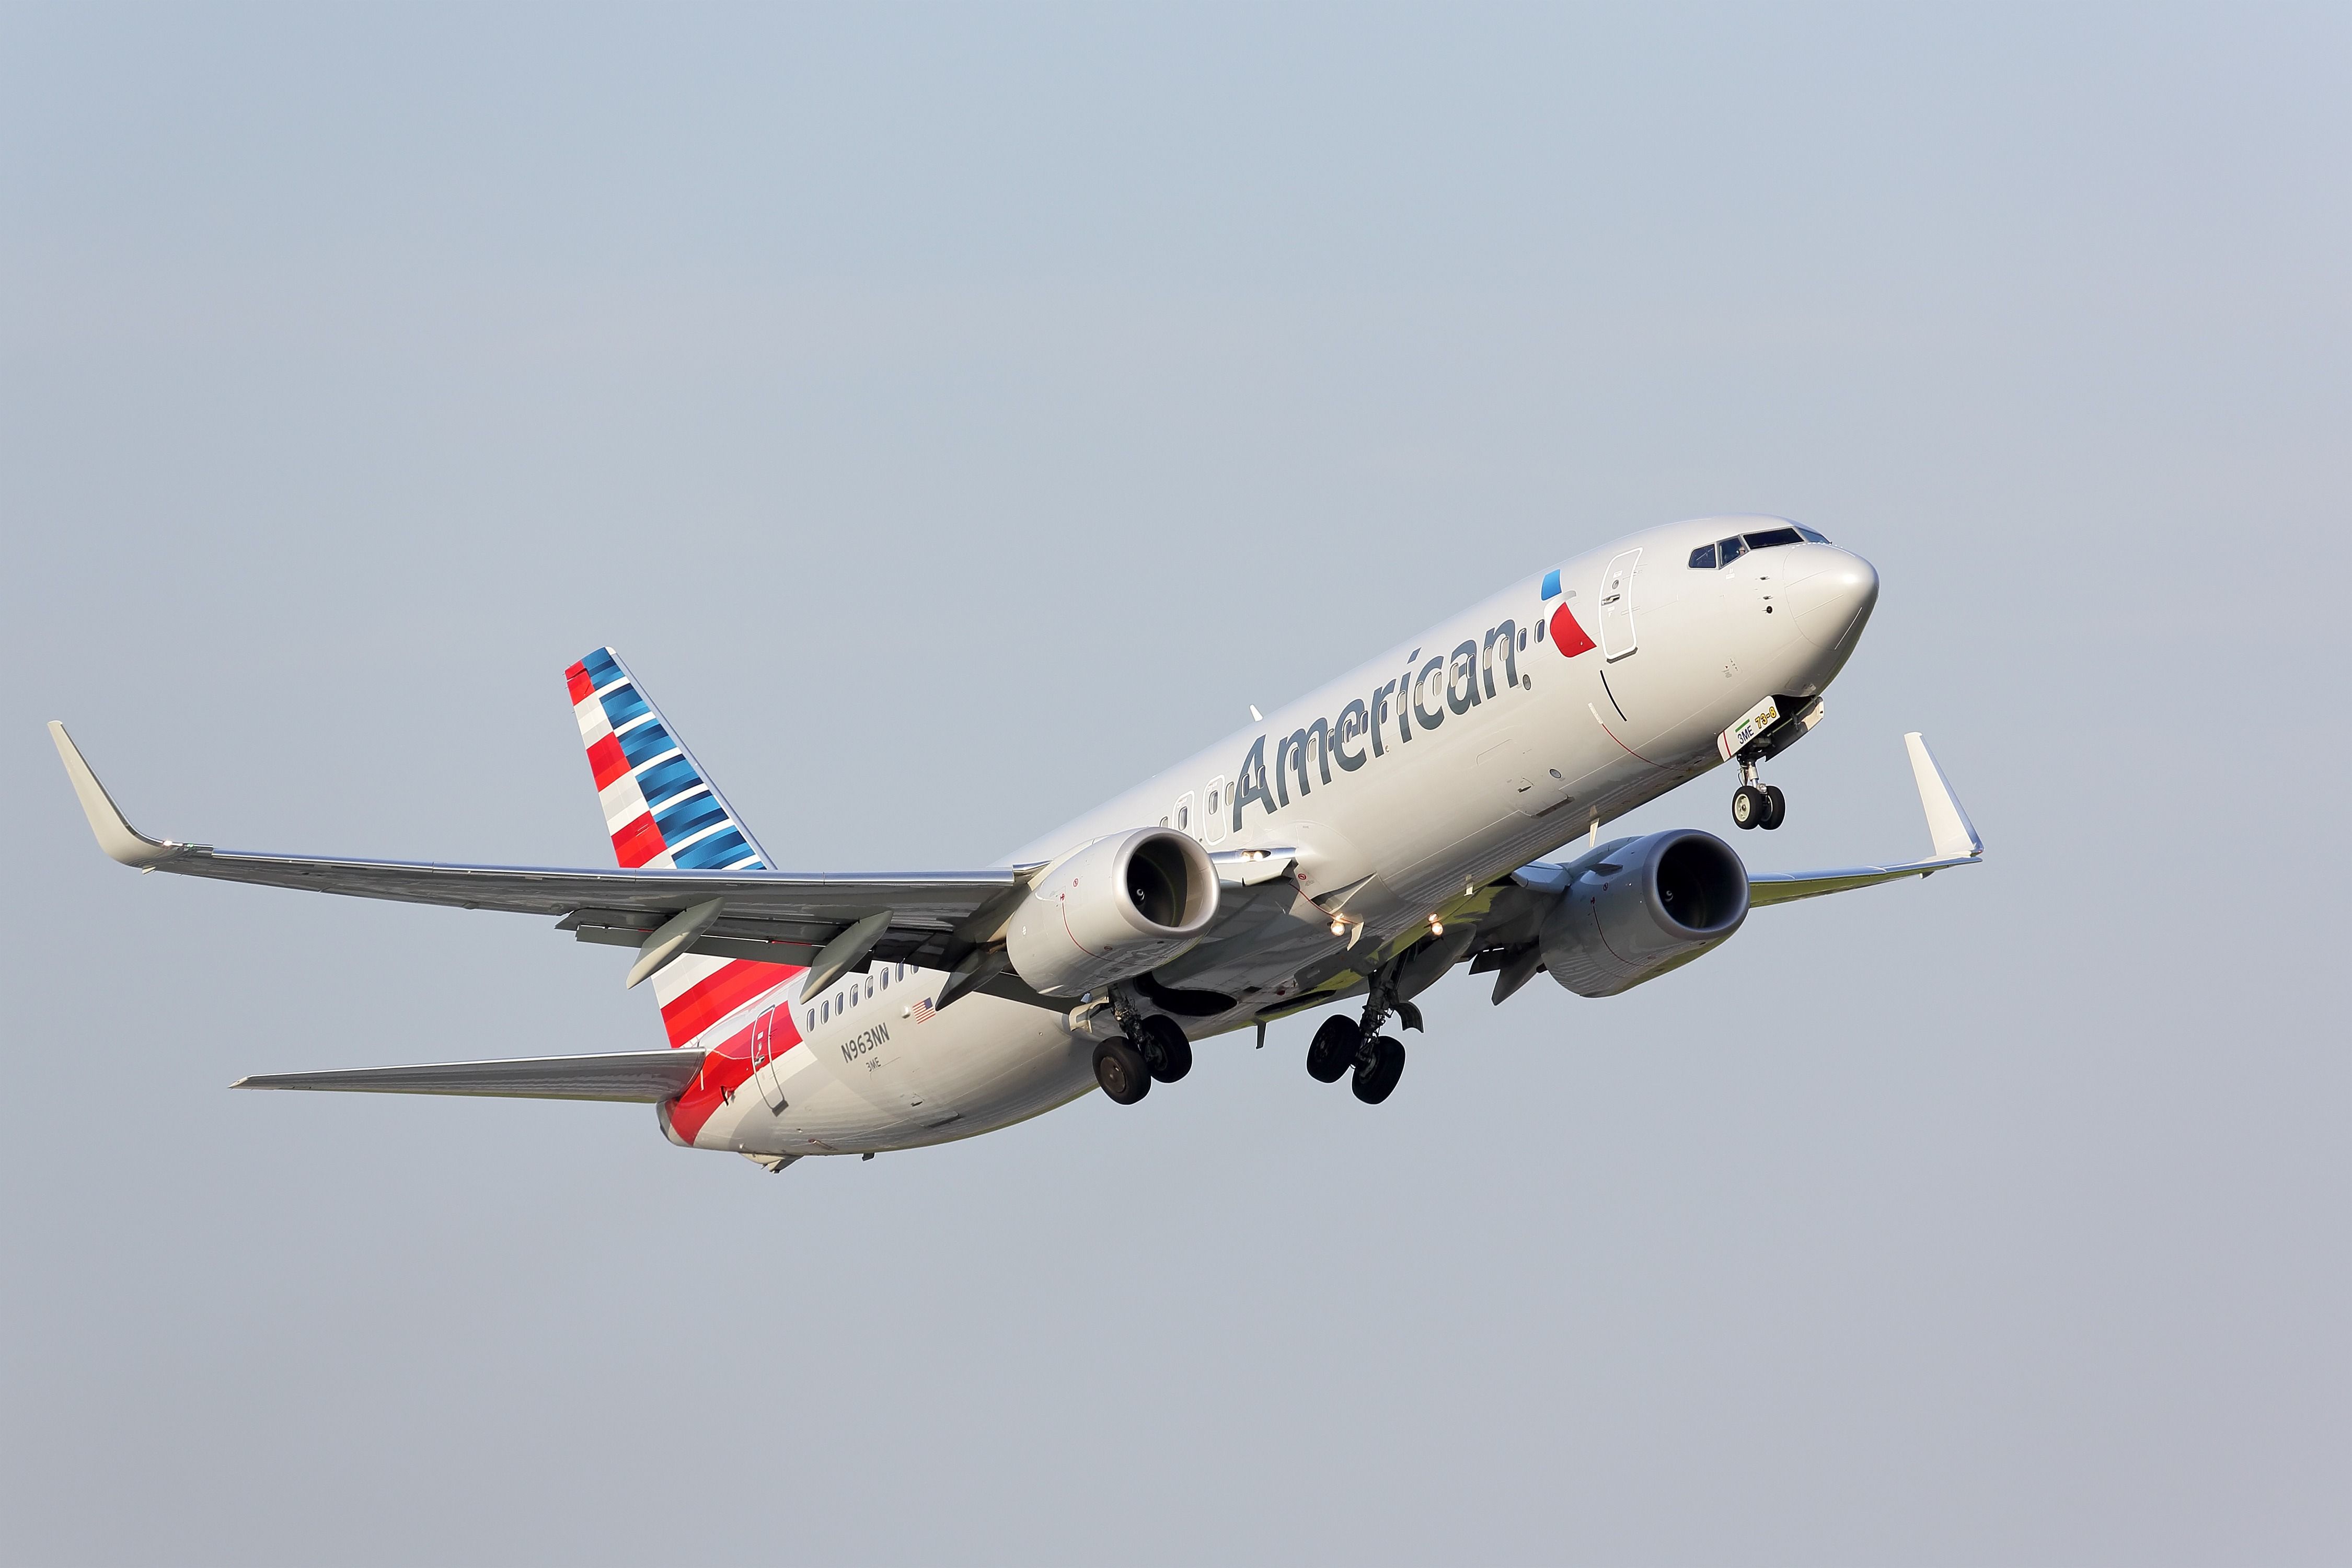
<point x="1953" y="836"/>
<point x="773" y="916"/>
<point x="639" y="1077"/>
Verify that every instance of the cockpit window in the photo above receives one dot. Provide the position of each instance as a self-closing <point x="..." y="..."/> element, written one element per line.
<point x="1723" y="552"/>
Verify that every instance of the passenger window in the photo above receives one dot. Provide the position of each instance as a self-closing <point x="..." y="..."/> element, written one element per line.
<point x="869" y="988"/>
<point x="1523" y="641"/>
<point x="824" y="1011"/>
<point x="1727" y="551"/>
<point x="1540" y="634"/>
<point x="886" y="980"/>
<point x="1703" y="558"/>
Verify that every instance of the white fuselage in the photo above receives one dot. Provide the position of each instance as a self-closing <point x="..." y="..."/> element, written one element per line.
<point x="1431" y="775"/>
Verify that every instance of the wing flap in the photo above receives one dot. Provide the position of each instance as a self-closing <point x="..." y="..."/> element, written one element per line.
<point x="641" y="1076"/>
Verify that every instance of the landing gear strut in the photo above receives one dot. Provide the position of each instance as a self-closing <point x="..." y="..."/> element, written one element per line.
<point x="1755" y="805"/>
<point x="1151" y="1047"/>
<point x="1378" y="1060"/>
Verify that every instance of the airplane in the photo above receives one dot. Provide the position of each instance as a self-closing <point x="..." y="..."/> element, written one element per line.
<point x="1356" y="846"/>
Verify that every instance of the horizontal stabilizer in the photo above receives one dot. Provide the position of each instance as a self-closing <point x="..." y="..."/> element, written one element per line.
<point x="645" y="1076"/>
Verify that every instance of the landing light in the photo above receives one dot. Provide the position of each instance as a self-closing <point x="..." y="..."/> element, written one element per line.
<point x="1339" y="928"/>
<point x="1436" y="926"/>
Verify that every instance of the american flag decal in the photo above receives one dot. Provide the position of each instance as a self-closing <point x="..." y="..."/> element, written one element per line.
<point x="923" y="1011"/>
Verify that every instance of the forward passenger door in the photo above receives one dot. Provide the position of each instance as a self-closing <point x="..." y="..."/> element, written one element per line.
<point x="1617" y="606"/>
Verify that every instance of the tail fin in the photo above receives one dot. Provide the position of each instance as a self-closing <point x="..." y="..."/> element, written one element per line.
<point x="660" y="806"/>
<point x="663" y="811"/>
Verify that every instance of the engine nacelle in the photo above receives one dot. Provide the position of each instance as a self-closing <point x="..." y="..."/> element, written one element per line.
<point x="1653" y="905"/>
<point x="1120" y="906"/>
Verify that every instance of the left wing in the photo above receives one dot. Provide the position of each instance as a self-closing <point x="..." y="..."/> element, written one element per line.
<point x="773" y="916"/>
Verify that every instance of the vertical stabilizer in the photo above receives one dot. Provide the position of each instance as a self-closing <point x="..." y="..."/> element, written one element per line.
<point x="665" y="812"/>
<point x="660" y="806"/>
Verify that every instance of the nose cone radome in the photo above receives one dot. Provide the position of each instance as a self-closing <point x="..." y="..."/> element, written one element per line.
<point x="1837" y="600"/>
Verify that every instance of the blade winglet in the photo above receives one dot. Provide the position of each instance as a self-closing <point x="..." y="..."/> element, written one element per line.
<point x="1949" y="826"/>
<point x="122" y="842"/>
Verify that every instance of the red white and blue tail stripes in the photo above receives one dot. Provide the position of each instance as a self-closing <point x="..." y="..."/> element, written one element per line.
<point x="660" y="808"/>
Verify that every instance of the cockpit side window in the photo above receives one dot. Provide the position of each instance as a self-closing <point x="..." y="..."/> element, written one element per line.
<point x="1727" y="551"/>
<point x="1773" y="536"/>
<point x="1811" y="535"/>
<point x="1703" y="558"/>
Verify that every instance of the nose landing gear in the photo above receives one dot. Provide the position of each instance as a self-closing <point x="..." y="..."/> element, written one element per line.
<point x="1757" y="804"/>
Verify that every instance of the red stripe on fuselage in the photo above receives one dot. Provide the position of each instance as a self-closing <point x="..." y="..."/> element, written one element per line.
<point x="729" y="1065"/>
<point x="712" y="998"/>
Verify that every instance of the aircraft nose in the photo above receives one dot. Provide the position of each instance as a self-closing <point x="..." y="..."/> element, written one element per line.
<point x="1838" y="599"/>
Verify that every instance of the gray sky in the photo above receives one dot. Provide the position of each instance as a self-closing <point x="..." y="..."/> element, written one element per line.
<point x="954" y="415"/>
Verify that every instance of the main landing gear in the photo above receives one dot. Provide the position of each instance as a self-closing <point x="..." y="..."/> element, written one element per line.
<point x="1378" y="1060"/>
<point x="1150" y="1047"/>
<point x="1757" y="804"/>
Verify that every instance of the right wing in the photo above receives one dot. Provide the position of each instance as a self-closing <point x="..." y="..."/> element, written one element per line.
<point x="771" y="916"/>
<point x="1953" y="836"/>
<point x="640" y="1077"/>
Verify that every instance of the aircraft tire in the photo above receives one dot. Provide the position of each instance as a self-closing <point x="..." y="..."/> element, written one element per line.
<point x="1334" y="1049"/>
<point x="1172" y="1055"/>
<point x="1749" y="806"/>
<point x="1119" y="1067"/>
<point x="1377" y="1078"/>
<point x="1779" y="805"/>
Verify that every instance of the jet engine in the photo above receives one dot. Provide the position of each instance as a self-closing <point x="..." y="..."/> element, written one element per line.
<point x="1654" y="904"/>
<point x="1117" y="908"/>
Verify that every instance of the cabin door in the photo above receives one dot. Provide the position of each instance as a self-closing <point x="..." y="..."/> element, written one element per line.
<point x="1617" y="606"/>
<point x="763" y="1061"/>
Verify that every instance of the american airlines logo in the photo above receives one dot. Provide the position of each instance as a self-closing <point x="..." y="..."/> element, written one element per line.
<point x="1420" y="698"/>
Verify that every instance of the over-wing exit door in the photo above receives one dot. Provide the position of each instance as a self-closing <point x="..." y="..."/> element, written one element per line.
<point x="1617" y="606"/>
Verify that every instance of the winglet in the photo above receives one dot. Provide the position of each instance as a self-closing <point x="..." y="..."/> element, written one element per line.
<point x="1948" y="825"/>
<point x="120" y="841"/>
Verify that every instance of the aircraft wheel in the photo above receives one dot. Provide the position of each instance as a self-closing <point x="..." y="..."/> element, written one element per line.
<point x="1749" y="806"/>
<point x="1779" y="807"/>
<point x="1167" y="1054"/>
<point x="1119" y="1067"/>
<point x="1377" y="1077"/>
<point x="1334" y="1049"/>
